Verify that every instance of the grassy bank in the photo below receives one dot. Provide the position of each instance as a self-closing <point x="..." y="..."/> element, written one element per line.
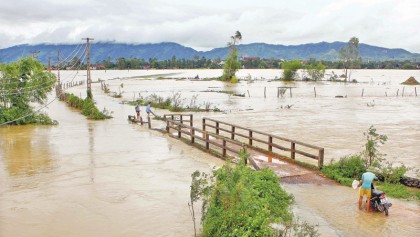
<point x="352" y="167"/>
<point x="86" y="106"/>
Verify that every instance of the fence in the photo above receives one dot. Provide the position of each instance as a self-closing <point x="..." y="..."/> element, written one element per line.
<point x="196" y="135"/>
<point x="272" y="141"/>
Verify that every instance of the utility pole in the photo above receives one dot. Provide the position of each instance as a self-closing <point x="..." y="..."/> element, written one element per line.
<point x="88" y="79"/>
<point x="58" y="89"/>
<point x="58" y="68"/>
<point x="34" y="54"/>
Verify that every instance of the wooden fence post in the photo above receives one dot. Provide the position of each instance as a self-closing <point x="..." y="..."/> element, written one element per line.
<point x="179" y="131"/>
<point x="250" y="137"/>
<point x="270" y="142"/>
<point x="232" y="135"/>
<point x="204" y="124"/>
<point x="167" y="126"/>
<point x="224" y="147"/>
<point x="292" y="150"/>
<point x="148" y="122"/>
<point x="207" y="141"/>
<point x="180" y="118"/>
<point x="321" y="158"/>
<point x="191" y="120"/>
<point x="217" y="127"/>
<point x="192" y="135"/>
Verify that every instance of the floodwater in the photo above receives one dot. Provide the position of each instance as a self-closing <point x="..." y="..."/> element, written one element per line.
<point x="112" y="178"/>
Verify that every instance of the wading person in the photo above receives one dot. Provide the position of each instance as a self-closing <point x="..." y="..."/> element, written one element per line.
<point x="366" y="189"/>
<point x="138" y="111"/>
<point x="148" y="109"/>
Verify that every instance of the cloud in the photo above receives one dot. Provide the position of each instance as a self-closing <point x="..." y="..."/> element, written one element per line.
<point x="207" y="24"/>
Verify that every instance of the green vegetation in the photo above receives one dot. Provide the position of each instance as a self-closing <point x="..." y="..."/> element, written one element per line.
<point x="174" y="103"/>
<point x="371" y="154"/>
<point x="315" y="71"/>
<point x="23" y="83"/>
<point x="232" y="64"/>
<point x="238" y="201"/>
<point x="350" y="58"/>
<point x="290" y="69"/>
<point x="87" y="107"/>
<point x="352" y="167"/>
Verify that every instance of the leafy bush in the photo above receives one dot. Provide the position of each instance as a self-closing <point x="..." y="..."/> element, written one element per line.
<point x="290" y="69"/>
<point x="392" y="174"/>
<point x="244" y="203"/>
<point x="346" y="169"/>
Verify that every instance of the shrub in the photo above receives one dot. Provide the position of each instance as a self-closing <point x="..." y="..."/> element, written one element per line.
<point x="87" y="107"/>
<point x="392" y="174"/>
<point x="346" y="169"/>
<point x="290" y="69"/>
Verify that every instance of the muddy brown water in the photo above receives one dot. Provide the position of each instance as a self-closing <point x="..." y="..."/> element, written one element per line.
<point x="112" y="178"/>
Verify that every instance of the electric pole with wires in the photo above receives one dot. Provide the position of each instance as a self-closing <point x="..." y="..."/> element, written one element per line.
<point x="88" y="79"/>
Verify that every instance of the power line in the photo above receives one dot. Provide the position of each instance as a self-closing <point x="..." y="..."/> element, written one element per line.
<point x="33" y="112"/>
<point x="56" y="97"/>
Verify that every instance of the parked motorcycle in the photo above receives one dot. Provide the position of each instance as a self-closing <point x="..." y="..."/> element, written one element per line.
<point x="379" y="202"/>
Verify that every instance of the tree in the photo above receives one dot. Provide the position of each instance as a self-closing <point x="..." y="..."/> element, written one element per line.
<point x="23" y="83"/>
<point x="232" y="64"/>
<point x="349" y="56"/>
<point x="290" y="69"/>
<point x="371" y="153"/>
<point x="315" y="71"/>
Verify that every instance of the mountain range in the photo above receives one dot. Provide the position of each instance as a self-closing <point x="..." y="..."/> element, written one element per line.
<point x="166" y="50"/>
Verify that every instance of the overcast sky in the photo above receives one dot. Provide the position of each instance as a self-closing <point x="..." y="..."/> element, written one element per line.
<point x="206" y="24"/>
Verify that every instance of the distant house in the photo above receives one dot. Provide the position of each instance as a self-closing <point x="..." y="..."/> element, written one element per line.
<point x="249" y="58"/>
<point x="100" y="67"/>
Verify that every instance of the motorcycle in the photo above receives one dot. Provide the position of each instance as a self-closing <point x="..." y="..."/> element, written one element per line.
<point x="379" y="202"/>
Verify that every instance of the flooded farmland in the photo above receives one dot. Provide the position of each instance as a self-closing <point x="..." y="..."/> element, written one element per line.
<point x="112" y="178"/>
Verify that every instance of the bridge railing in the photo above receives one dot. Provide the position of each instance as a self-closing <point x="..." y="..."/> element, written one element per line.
<point x="272" y="141"/>
<point x="207" y="139"/>
<point x="182" y="118"/>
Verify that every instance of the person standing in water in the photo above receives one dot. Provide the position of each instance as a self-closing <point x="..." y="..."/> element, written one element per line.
<point x="138" y="111"/>
<point x="148" y="109"/>
<point x="366" y="189"/>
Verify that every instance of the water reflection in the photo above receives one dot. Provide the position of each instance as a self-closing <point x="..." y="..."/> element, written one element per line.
<point x="92" y="165"/>
<point x="26" y="150"/>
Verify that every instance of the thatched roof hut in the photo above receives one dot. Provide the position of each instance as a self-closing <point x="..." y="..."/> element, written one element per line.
<point x="411" y="81"/>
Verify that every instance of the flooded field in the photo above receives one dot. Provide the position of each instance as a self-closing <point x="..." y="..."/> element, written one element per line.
<point x="112" y="178"/>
